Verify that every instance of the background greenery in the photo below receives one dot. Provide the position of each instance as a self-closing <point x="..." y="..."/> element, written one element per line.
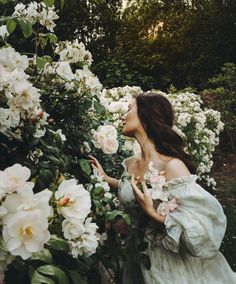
<point x="156" y="44"/>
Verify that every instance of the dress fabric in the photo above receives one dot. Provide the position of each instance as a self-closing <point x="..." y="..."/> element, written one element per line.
<point x="188" y="251"/>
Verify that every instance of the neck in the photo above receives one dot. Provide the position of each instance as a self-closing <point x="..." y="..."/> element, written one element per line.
<point x="148" y="149"/>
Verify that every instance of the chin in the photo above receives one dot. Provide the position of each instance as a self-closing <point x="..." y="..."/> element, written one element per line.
<point x="127" y="133"/>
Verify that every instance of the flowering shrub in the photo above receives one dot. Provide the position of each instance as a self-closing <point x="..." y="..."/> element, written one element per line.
<point x="24" y="214"/>
<point x="37" y="13"/>
<point x="198" y="126"/>
<point x="55" y="212"/>
<point x="20" y="100"/>
<point x="221" y="97"/>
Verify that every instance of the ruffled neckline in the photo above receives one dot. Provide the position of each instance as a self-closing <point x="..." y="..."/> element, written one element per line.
<point x="172" y="183"/>
<point x="179" y="180"/>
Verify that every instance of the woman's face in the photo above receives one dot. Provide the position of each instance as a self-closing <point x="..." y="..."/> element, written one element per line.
<point x="131" y="122"/>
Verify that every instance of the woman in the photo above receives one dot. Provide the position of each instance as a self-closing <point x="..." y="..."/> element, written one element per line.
<point x="187" y="250"/>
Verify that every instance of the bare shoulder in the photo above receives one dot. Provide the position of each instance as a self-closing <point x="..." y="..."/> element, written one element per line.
<point x="130" y="160"/>
<point x="176" y="168"/>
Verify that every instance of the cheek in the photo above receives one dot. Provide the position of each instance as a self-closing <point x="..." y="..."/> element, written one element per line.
<point x="132" y="120"/>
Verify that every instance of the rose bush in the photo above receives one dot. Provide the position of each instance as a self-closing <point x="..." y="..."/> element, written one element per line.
<point x="57" y="214"/>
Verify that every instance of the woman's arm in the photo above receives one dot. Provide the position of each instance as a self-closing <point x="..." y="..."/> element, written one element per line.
<point x="112" y="182"/>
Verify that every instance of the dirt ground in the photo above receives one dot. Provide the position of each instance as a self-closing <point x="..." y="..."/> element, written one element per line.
<point x="224" y="173"/>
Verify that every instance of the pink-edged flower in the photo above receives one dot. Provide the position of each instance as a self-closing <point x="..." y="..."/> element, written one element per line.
<point x="172" y="204"/>
<point x="166" y="207"/>
<point x="157" y="179"/>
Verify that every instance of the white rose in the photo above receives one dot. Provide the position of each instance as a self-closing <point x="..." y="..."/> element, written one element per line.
<point x="98" y="139"/>
<point x="26" y="232"/>
<point x="72" y="228"/>
<point x="11" y="59"/>
<point x="13" y="178"/>
<point x="108" y="130"/>
<point x="74" y="201"/>
<point x="26" y="200"/>
<point x="87" y="243"/>
<point x="110" y="146"/>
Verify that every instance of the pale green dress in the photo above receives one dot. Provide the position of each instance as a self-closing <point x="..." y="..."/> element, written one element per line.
<point x="188" y="251"/>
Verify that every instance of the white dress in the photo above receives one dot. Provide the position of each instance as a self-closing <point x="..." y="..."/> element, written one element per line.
<point x="188" y="251"/>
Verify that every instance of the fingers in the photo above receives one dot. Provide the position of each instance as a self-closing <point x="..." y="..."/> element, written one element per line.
<point x="137" y="191"/>
<point x="94" y="167"/>
<point x="93" y="160"/>
<point x="145" y="189"/>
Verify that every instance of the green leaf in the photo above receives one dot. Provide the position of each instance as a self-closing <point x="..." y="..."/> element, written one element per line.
<point x="41" y="279"/>
<point x="115" y="213"/>
<point x="45" y="165"/>
<point x="58" y="244"/>
<point x="11" y="26"/>
<point x="98" y="192"/>
<point x="44" y="255"/>
<point x="49" y="3"/>
<point x="85" y="166"/>
<point x="46" y="175"/>
<point x="76" y="278"/>
<point x="100" y="109"/>
<point x="4" y="2"/>
<point x="52" y="37"/>
<point x="40" y="62"/>
<point x="55" y="161"/>
<point x="26" y="27"/>
<point x="55" y="272"/>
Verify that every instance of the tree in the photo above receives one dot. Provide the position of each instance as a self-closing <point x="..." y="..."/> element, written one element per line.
<point x="176" y="41"/>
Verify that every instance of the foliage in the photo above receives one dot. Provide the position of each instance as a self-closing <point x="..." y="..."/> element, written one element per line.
<point x="95" y="23"/>
<point x="179" y="42"/>
<point x="222" y="97"/>
<point x="30" y="136"/>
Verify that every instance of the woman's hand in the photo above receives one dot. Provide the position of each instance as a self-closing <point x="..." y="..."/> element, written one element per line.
<point x="145" y="200"/>
<point x="97" y="166"/>
<point x="112" y="182"/>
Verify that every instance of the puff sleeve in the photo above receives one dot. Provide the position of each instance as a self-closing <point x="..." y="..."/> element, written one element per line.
<point x="198" y="222"/>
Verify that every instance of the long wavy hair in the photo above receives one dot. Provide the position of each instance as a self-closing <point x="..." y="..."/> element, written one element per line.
<point x="157" y="117"/>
